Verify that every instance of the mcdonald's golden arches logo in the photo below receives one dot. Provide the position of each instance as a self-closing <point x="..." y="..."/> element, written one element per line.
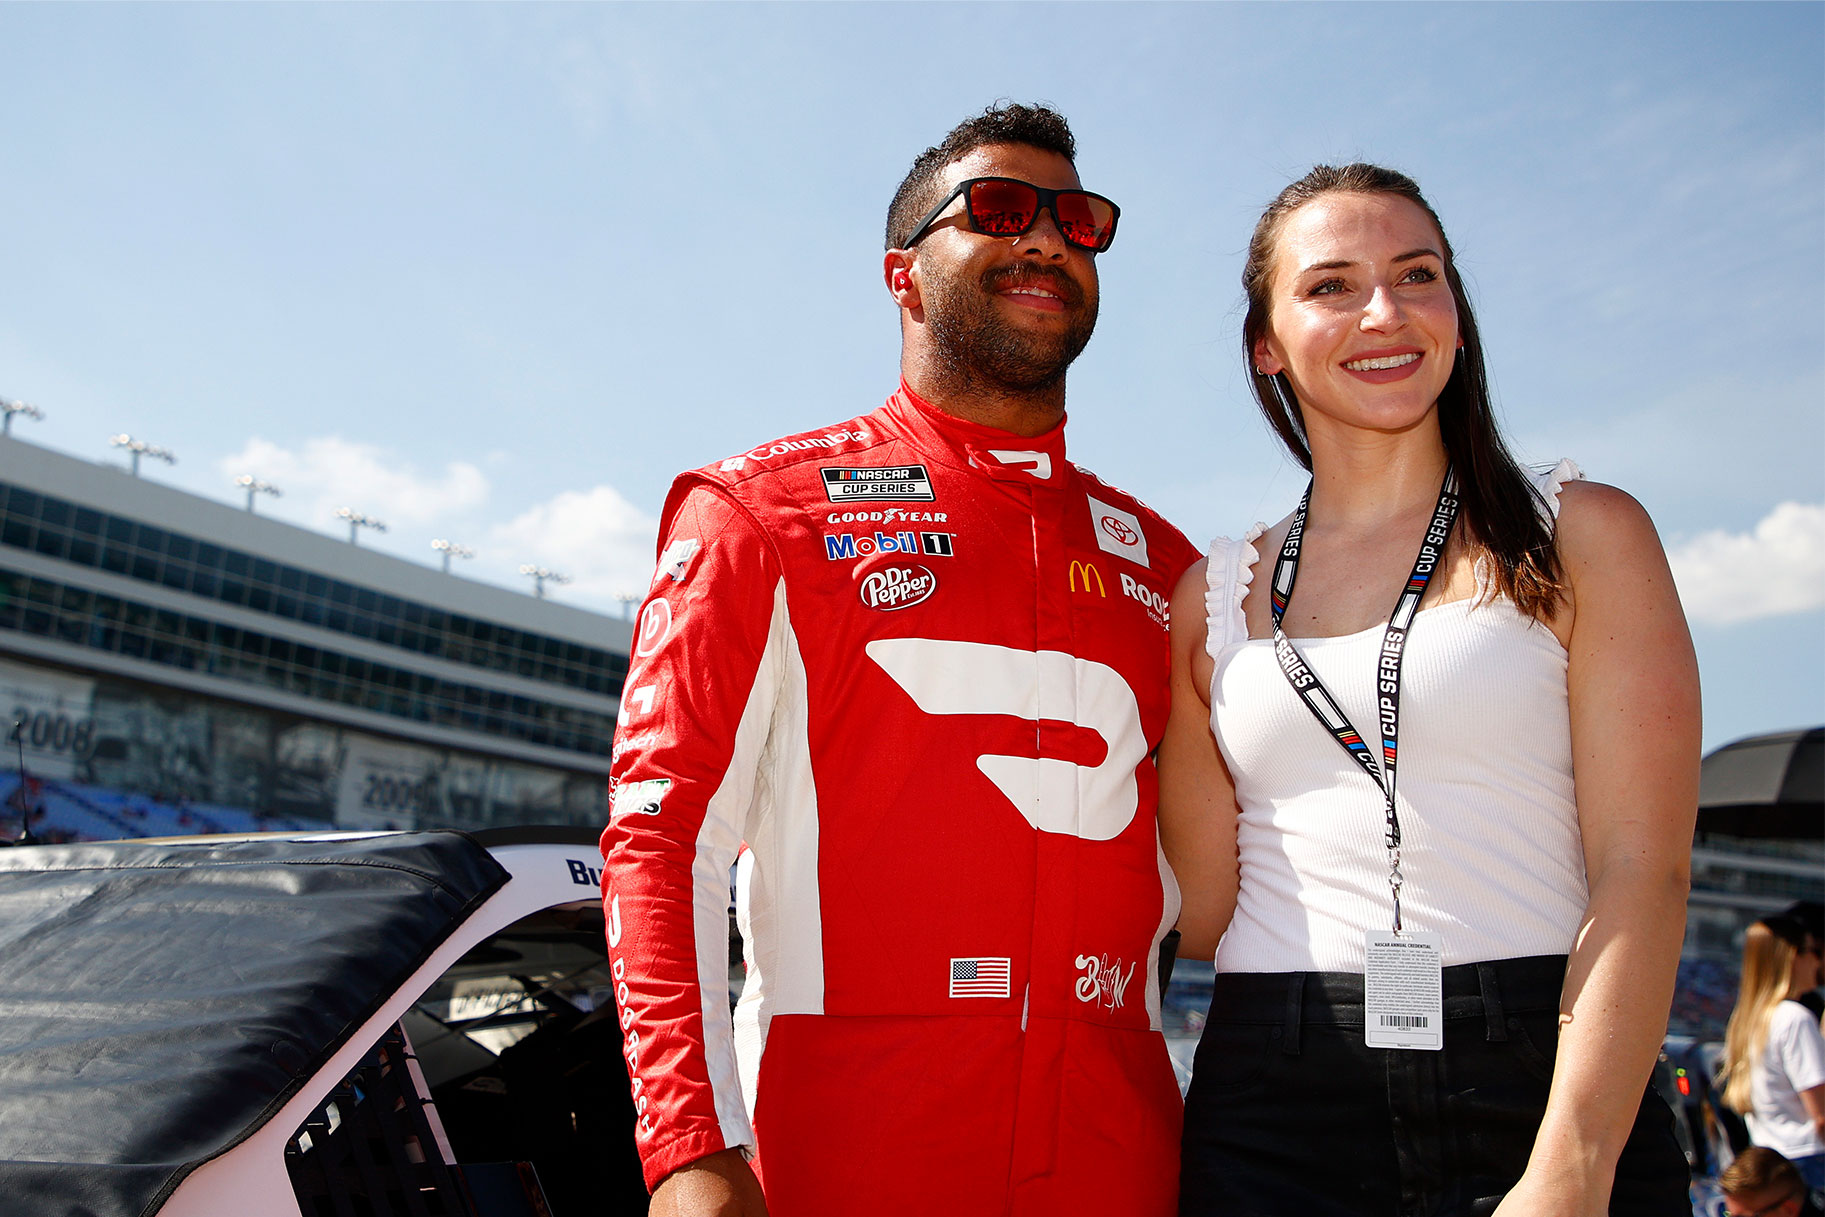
<point x="1087" y="571"/>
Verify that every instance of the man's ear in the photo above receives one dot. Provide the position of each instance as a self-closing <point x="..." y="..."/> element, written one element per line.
<point x="899" y="272"/>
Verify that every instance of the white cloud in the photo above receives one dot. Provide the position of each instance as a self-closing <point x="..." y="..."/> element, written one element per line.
<point x="595" y="536"/>
<point x="330" y="472"/>
<point x="1779" y="568"/>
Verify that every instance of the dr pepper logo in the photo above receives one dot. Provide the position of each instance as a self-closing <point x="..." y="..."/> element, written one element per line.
<point x="898" y="586"/>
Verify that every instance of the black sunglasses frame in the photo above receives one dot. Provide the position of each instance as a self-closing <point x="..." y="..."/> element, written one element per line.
<point x="1048" y="201"/>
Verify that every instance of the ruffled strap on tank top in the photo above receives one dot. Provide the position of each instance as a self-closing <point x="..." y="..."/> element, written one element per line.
<point x="1552" y="482"/>
<point x="1227" y="575"/>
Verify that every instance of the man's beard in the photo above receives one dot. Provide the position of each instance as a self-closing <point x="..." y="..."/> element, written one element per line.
<point x="981" y="347"/>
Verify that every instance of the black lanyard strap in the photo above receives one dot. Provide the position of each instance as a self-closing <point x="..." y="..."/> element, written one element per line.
<point x="1318" y="699"/>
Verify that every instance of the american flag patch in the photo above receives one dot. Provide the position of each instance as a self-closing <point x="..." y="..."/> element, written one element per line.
<point x="980" y="977"/>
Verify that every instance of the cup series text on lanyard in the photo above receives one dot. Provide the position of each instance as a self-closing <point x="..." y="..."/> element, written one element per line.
<point x="1318" y="699"/>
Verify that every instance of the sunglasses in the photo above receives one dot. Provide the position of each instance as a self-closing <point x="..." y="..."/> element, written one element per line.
<point x="1009" y="207"/>
<point x="1765" y="1209"/>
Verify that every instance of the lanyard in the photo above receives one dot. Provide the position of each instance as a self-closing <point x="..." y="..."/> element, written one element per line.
<point x="1318" y="699"/>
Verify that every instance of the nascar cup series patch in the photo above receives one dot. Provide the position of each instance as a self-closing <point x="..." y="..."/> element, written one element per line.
<point x="903" y="482"/>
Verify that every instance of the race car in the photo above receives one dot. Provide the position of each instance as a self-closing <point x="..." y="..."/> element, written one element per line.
<point x="318" y="1025"/>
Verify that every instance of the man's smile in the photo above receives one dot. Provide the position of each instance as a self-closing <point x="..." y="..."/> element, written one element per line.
<point x="1041" y="291"/>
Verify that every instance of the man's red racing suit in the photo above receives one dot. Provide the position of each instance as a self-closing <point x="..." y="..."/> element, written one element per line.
<point x="919" y="667"/>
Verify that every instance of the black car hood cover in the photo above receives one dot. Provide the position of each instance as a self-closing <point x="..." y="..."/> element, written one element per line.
<point x="159" y="1001"/>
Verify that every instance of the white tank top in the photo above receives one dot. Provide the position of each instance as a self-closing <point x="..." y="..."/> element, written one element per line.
<point x="1490" y="845"/>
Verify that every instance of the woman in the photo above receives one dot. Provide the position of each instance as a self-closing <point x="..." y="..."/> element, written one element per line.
<point x="1774" y="1056"/>
<point x="1545" y="700"/>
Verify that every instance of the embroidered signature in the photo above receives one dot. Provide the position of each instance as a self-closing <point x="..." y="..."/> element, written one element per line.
<point x="1103" y="983"/>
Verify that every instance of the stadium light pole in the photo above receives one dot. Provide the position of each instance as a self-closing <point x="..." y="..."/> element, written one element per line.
<point x="253" y="485"/>
<point x="450" y="549"/>
<point x="541" y="576"/>
<point x="357" y="522"/>
<point x="139" y="448"/>
<point x="25" y="807"/>
<point x="18" y="407"/>
<point x="628" y="600"/>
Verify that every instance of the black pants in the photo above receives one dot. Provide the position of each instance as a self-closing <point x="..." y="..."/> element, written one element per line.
<point x="1290" y="1115"/>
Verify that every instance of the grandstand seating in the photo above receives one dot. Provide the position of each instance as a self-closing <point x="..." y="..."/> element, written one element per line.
<point x="76" y="811"/>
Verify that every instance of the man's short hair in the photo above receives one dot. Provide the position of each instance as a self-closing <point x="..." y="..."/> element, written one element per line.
<point x="1037" y="125"/>
<point x="1809" y="913"/>
<point x="1758" y="1169"/>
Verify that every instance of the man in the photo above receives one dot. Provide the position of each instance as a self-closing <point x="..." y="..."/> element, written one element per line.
<point x="917" y="662"/>
<point x="1761" y="1183"/>
<point x="1811" y="914"/>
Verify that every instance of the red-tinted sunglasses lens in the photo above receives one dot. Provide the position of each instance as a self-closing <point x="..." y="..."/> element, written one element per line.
<point x="1084" y="219"/>
<point x="1002" y="208"/>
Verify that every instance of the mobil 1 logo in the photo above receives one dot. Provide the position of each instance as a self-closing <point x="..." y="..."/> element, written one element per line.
<point x="865" y="545"/>
<point x="905" y="483"/>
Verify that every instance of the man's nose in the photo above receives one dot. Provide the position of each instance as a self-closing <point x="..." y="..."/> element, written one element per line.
<point x="1044" y="238"/>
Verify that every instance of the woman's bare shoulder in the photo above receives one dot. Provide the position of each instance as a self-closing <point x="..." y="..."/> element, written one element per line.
<point x="1598" y="520"/>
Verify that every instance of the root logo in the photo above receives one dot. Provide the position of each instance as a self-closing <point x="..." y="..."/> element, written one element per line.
<point x="1158" y="607"/>
<point x="896" y="587"/>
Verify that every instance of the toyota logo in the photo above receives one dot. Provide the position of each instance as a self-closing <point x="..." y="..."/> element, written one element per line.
<point x="1121" y="532"/>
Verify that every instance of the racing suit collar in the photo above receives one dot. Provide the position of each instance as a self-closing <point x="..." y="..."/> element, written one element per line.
<point x="1000" y="454"/>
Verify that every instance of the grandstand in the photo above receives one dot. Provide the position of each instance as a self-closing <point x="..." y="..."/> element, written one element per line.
<point x="174" y="664"/>
<point x="72" y="811"/>
<point x="1760" y="847"/>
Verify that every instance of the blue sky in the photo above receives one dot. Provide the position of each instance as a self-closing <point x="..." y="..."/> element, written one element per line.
<point x="496" y="273"/>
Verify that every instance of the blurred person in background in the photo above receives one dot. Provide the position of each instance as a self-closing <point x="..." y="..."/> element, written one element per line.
<point x="1761" y="1183"/>
<point x="1774" y="1056"/>
<point x="1811" y="914"/>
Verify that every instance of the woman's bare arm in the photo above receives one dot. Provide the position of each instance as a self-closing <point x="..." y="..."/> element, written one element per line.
<point x="1197" y="797"/>
<point x="1633" y="685"/>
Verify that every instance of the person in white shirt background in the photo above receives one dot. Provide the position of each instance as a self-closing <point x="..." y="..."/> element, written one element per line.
<point x="1774" y="1054"/>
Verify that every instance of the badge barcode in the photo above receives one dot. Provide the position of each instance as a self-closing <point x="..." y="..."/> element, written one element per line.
<point x="1403" y="1020"/>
